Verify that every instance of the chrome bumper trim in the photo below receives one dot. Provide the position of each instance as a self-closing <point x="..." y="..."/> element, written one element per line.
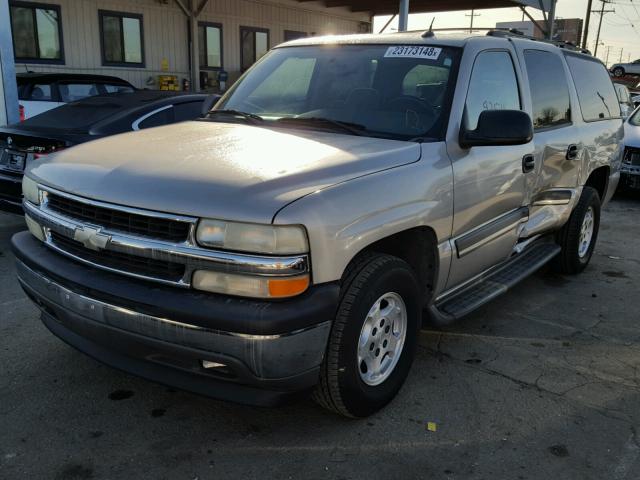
<point x="268" y="356"/>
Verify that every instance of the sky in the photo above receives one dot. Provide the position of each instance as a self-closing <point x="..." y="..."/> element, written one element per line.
<point x="620" y="30"/>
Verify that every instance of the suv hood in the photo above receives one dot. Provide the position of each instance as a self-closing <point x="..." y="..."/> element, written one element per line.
<point x="218" y="170"/>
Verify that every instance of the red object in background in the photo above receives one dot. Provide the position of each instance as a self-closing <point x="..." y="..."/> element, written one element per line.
<point x="21" y="110"/>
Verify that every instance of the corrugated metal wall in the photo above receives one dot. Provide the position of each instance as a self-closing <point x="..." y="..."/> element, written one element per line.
<point x="166" y="32"/>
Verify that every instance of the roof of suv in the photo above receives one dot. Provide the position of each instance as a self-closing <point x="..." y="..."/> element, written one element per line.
<point x="439" y="38"/>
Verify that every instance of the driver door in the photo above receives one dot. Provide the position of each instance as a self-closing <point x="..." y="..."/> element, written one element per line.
<point x="489" y="183"/>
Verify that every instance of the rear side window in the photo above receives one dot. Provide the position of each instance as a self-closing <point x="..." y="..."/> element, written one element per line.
<point x="549" y="89"/>
<point x="493" y="86"/>
<point x="70" y="92"/>
<point x="41" y="92"/>
<point x="157" y="119"/>
<point x="598" y="100"/>
<point x="186" y="111"/>
<point x="117" y="88"/>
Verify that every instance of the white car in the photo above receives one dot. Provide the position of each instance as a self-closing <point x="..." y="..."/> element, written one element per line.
<point x="622" y="69"/>
<point x="39" y="92"/>
<point x="627" y="105"/>
<point x="630" y="169"/>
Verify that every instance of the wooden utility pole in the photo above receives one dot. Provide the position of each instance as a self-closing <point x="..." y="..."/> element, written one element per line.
<point x="602" y="12"/>
<point x="586" y="24"/>
<point x="473" y="14"/>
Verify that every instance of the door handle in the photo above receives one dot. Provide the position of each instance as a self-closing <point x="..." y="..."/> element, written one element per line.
<point x="572" y="152"/>
<point x="528" y="163"/>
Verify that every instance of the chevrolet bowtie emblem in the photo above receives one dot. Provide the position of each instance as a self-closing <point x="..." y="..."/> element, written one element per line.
<point x="91" y="237"/>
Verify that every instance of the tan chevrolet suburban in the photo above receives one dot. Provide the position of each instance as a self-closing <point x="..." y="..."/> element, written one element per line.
<point x="344" y="189"/>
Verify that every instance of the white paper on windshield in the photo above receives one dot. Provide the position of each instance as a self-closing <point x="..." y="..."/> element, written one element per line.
<point x="413" y="51"/>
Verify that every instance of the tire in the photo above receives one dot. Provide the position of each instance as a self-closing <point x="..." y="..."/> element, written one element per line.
<point x="344" y="388"/>
<point x="618" y="72"/>
<point x="575" y="256"/>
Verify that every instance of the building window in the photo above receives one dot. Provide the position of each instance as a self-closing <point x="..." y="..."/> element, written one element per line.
<point x="121" y="39"/>
<point x="210" y="45"/>
<point x="37" y="32"/>
<point x="293" y="35"/>
<point x="254" y="43"/>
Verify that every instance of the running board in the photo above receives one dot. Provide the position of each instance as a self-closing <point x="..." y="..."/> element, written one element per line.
<point x="462" y="302"/>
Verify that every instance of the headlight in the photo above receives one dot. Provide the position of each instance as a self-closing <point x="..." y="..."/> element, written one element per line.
<point x="253" y="238"/>
<point x="30" y="190"/>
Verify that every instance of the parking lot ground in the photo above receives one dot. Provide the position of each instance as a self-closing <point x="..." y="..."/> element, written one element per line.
<point x="542" y="383"/>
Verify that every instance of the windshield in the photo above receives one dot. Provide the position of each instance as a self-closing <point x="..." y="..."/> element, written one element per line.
<point x="400" y="92"/>
<point x="635" y="118"/>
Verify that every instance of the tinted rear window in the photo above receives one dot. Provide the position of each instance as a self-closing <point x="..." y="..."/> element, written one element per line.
<point x="598" y="99"/>
<point x="549" y="89"/>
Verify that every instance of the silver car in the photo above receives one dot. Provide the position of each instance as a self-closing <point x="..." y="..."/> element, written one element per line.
<point x="342" y="191"/>
<point x="622" y="69"/>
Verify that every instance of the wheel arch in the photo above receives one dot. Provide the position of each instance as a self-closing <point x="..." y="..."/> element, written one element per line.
<point x="599" y="179"/>
<point x="418" y="246"/>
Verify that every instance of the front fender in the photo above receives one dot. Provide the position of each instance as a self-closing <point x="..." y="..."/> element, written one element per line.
<point x="346" y="218"/>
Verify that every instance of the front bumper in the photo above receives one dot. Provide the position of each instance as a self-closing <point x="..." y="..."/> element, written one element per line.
<point x="164" y="334"/>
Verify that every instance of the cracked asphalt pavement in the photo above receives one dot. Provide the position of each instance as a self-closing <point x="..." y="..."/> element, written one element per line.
<point x="541" y="383"/>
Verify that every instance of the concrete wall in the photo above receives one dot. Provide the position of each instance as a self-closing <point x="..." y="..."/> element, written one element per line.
<point x="166" y="32"/>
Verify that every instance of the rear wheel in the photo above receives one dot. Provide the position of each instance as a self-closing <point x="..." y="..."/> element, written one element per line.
<point x="373" y="338"/>
<point x="618" y="72"/>
<point x="578" y="236"/>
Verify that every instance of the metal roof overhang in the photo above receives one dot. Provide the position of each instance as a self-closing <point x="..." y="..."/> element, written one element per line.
<point x="389" y="7"/>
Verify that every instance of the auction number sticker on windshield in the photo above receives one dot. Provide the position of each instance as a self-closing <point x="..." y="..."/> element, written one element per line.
<point x="413" y="51"/>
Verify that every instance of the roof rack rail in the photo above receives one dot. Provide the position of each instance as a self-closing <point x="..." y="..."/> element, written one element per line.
<point x="514" y="33"/>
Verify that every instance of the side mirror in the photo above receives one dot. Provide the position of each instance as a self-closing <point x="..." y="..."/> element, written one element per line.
<point x="208" y="103"/>
<point x="498" y="127"/>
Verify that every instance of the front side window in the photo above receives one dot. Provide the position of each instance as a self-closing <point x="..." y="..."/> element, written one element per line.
<point x="493" y="86"/>
<point x="398" y="92"/>
<point x="597" y="97"/>
<point x="121" y="39"/>
<point x="549" y="89"/>
<point x="254" y="43"/>
<point x="36" y="32"/>
<point x="210" y="45"/>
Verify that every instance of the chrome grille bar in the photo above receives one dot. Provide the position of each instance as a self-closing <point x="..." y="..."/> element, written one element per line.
<point x="187" y="253"/>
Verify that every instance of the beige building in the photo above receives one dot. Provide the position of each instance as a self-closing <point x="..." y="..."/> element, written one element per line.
<point x="138" y="40"/>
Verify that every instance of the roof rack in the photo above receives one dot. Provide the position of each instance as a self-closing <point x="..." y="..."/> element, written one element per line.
<point x="514" y="33"/>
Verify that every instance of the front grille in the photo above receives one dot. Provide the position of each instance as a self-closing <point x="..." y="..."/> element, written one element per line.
<point x="147" y="267"/>
<point x="632" y="156"/>
<point x="119" y="220"/>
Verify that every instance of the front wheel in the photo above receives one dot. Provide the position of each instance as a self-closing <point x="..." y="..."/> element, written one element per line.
<point x="578" y="236"/>
<point x="373" y="338"/>
<point x="618" y="72"/>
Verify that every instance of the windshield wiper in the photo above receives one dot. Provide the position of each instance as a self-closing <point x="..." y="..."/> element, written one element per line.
<point x="236" y="113"/>
<point x="352" y="128"/>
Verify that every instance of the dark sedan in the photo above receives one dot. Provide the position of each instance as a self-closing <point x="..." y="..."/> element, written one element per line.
<point x="82" y="121"/>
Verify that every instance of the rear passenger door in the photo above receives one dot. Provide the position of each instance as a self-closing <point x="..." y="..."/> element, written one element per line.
<point x="557" y="147"/>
